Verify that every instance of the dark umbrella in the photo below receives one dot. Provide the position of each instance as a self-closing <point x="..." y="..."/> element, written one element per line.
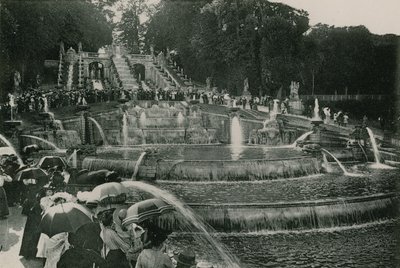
<point x="32" y="176"/>
<point x="51" y="161"/>
<point x="145" y="210"/>
<point x="66" y="217"/>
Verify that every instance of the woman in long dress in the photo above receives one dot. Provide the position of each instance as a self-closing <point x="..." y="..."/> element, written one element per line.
<point x="3" y="197"/>
<point x="31" y="234"/>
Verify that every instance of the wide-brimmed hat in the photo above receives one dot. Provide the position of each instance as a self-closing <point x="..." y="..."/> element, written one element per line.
<point x="187" y="257"/>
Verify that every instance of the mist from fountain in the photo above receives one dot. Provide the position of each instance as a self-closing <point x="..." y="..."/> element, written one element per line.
<point x="377" y="155"/>
<point x="9" y="144"/>
<point x="44" y="141"/>
<point x="180" y="119"/>
<point x="192" y="220"/>
<point x="138" y="162"/>
<point x="100" y="129"/>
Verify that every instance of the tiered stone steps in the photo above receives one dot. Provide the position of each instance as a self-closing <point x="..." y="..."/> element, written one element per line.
<point x="128" y="81"/>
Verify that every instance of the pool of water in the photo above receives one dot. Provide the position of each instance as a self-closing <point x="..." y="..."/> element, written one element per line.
<point x="371" y="245"/>
<point x="315" y="187"/>
<point x="203" y="152"/>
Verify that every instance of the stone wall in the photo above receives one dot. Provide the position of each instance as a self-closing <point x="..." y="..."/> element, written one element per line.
<point x="219" y="122"/>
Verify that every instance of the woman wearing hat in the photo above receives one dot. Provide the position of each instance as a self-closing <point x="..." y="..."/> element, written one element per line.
<point x="32" y="232"/>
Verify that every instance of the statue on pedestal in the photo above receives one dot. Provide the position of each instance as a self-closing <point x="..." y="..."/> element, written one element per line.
<point x="327" y="112"/>
<point x="17" y="81"/>
<point x="208" y="83"/>
<point x="246" y="93"/>
<point x="79" y="47"/>
<point x="161" y="58"/>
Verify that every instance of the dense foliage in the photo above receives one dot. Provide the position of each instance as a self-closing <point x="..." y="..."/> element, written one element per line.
<point x="271" y="44"/>
<point x="31" y="32"/>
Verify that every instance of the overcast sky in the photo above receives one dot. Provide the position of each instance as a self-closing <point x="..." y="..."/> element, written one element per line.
<point x="379" y="16"/>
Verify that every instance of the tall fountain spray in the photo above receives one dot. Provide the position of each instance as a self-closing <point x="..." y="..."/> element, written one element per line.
<point x="80" y="71"/>
<point x="125" y="129"/>
<point x="8" y="143"/>
<point x="316" y="110"/>
<point x="273" y="113"/>
<point x="70" y="76"/>
<point x="180" y="119"/>
<point x="59" y="77"/>
<point x="100" y="129"/>
<point x="236" y="139"/>
<point x="143" y="120"/>
<point x="275" y="109"/>
<point x="46" y="105"/>
<point x="191" y="220"/>
<point x="236" y="132"/>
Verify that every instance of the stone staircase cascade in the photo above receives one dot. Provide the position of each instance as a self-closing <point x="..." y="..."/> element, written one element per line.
<point x="127" y="79"/>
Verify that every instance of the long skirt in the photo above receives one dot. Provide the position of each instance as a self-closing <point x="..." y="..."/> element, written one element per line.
<point x="31" y="235"/>
<point x="116" y="258"/>
<point x="3" y="203"/>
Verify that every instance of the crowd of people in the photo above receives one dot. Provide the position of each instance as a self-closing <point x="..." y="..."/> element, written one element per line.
<point x="104" y="242"/>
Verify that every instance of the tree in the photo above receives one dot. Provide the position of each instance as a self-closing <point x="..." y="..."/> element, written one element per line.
<point x="32" y="30"/>
<point x="131" y="31"/>
<point x="255" y="39"/>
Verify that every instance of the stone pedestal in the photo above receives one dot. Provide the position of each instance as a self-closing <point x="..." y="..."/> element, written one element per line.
<point x="296" y="107"/>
